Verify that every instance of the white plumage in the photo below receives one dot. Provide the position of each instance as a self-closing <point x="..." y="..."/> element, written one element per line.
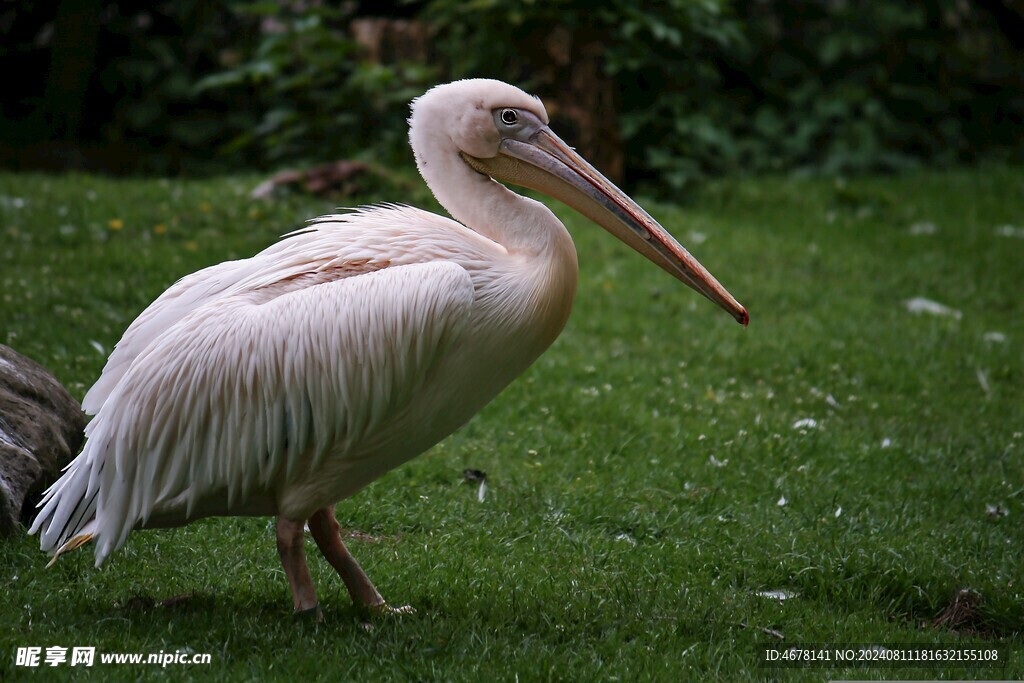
<point x="282" y="383"/>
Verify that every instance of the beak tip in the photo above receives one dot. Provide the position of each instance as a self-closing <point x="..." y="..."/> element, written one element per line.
<point x="743" y="318"/>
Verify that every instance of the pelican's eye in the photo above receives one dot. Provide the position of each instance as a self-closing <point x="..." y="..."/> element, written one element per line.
<point x="509" y="117"/>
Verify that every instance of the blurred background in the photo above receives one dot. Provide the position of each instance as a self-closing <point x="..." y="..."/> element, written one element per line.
<point x="659" y="94"/>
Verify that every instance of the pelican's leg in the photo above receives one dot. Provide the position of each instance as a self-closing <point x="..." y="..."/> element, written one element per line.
<point x="290" y="537"/>
<point x="327" y="534"/>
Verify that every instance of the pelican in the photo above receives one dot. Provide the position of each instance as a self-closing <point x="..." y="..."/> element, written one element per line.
<point x="281" y="384"/>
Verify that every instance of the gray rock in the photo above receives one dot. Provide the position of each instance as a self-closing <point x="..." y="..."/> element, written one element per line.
<point x="41" y="429"/>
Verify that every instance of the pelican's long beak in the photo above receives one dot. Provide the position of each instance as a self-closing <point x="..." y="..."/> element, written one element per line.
<point x="544" y="162"/>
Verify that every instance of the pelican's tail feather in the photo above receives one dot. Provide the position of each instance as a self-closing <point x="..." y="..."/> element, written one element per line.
<point x="68" y="510"/>
<point x="83" y="537"/>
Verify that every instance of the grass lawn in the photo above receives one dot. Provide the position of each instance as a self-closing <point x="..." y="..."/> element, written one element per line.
<point x="650" y="479"/>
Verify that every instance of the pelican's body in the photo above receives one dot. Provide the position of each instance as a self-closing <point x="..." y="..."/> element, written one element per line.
<point x="474" y="314"/>
<point x="283" y="383"/>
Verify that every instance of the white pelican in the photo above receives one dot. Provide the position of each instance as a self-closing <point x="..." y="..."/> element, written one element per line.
<point x="283" y="383"/>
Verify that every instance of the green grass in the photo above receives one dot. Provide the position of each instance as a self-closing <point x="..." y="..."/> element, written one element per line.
<point x="610" y="545"/>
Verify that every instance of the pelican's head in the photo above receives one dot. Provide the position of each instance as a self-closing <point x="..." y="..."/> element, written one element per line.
<point x="502" y="132"/>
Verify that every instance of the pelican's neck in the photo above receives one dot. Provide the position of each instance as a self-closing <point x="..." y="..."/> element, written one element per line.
<point x="531" y="234"/>
<point x="521" y="225"/>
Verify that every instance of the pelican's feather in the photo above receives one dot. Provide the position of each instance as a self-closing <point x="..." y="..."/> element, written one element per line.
<point x="247" y="392"/>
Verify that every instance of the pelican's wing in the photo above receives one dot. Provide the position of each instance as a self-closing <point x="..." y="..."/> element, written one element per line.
<point x="180" y="299"/>
<point x="249" y="391"/>
<point x="331" y="248"/>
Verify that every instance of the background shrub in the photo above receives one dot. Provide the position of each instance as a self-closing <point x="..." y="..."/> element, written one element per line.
<point x="660" y="94"/>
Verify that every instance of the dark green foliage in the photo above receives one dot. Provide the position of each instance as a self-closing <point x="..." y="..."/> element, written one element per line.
<point x="701" y="87"/>
<point x="704" y="87"/>
<point x="855" y="86"/>
<point x="155" y="57"/>
<point x="314" y="98"/>
<point x="131" y="100"/>
<point x="713" y="87"/>
<point x="661" y="55"/>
